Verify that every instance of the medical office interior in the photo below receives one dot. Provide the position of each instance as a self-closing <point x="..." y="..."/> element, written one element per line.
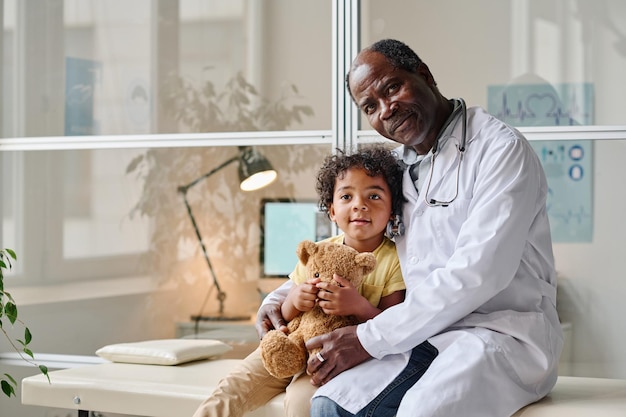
<point x="108" y="107"/>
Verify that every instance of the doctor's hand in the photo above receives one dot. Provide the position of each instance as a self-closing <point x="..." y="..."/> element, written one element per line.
<point x="340" y="350"/>
<point x="269" y="318"/>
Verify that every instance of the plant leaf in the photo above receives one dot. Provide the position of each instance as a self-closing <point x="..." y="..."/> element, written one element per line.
<point x="44" y="370"/>
<point x="7" y="388"/>
<point x="10" y="310"/>
<point x="9" y="296"/>
<point x="29" y="352"/>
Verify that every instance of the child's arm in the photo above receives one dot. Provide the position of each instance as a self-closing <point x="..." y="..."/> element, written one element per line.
<point x="300" y="298"/>
<point x="346" y="300"/>
<point x="391" y="300"/>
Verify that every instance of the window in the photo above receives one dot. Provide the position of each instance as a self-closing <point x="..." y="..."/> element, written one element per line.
<point x="119" y="81"/>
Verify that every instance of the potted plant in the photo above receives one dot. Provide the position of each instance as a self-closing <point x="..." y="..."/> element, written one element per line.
<point x="8" y="312"/>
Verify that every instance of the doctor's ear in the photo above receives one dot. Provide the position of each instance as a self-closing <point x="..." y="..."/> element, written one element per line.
<point x="424" y="71"/>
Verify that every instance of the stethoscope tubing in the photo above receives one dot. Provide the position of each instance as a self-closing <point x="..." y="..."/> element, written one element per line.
<point x="461" y="149"/>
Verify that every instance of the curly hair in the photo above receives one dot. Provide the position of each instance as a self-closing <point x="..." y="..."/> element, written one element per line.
<point x="375" y="159"/>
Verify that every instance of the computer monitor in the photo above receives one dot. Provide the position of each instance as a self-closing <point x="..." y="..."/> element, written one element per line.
<point x="285" y="223"/>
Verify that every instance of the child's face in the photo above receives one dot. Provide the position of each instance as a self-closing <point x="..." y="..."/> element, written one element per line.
<point x="361" y="208"/>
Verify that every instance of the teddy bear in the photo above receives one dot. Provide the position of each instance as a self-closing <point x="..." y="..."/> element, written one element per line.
<point x="285" y="355"/>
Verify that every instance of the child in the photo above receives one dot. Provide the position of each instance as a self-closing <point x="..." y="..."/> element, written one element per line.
<point x="361" y="193"/>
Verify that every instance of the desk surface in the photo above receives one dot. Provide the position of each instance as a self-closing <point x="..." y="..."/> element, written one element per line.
<point x="234" y="328"/>
<point x="241" y="336"/>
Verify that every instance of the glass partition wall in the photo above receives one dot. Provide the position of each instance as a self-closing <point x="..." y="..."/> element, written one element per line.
<point x="92" y="87"/>
<point x="108" y="107"/>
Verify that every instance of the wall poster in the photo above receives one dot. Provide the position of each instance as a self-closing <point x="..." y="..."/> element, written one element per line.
<point x="568" y="164"/>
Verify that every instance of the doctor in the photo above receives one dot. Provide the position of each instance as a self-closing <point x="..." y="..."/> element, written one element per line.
<point x="476" y="256"/>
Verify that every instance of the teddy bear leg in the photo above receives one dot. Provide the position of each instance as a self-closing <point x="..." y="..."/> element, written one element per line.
<point x="282" y="356"/>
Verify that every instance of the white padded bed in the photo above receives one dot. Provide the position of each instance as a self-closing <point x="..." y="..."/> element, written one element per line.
<point x="176" y="391"/>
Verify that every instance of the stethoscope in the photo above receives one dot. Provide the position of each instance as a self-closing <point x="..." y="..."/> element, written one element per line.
<point x="395" y="227"/>
<point x="461" y="149"/>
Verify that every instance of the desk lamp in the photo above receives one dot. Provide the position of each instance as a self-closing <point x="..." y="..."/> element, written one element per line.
<point x="255" y="172"/>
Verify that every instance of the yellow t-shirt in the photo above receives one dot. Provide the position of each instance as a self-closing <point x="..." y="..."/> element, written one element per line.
<point x="385" y="279"/>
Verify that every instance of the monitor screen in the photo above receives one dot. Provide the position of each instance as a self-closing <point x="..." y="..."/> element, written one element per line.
<point x="284" y="224"/>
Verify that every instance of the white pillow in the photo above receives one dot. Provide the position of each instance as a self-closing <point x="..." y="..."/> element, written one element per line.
<point x="163" y="351"/>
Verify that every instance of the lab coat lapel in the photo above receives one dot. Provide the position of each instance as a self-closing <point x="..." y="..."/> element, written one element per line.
<point x="408" y="187"/>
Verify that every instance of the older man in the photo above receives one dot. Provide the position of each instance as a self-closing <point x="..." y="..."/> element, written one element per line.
<point x="476" y="256"/>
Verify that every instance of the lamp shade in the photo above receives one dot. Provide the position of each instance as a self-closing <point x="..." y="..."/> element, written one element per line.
<point x="255" y="171"/>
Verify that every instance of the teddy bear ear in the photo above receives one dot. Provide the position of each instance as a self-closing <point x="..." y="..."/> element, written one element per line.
<point x="305" y="249"/>
<point x="367" y="261"/>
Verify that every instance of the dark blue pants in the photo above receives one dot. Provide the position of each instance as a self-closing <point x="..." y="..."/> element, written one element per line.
<point x="387" y="402"/>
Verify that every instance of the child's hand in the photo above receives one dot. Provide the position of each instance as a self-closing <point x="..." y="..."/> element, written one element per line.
<point x="303" y="296"/>
<point x="343" y="300"/>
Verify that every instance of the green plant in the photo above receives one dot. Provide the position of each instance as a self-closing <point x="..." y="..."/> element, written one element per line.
<point x="8" y="310"/>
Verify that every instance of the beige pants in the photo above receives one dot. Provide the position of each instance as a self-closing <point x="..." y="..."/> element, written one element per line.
<point x="250" y="386"/>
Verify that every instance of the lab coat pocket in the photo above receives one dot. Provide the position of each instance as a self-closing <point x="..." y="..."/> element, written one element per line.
<point x="447" y="221"/>
<point x="526" y="340"/>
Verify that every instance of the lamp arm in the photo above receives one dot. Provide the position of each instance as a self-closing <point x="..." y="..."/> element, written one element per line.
<point x="184" y="188"/>
<point x="204" y="251"/>
<point x="221" y="296"/>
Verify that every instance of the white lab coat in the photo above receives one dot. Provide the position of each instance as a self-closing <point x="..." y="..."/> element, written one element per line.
<point x="481" y="285"/>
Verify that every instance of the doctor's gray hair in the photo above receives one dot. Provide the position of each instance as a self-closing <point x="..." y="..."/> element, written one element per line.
<point x="399" y="54"/>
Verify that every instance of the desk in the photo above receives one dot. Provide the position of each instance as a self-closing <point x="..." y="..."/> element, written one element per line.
<point x="240" y="335"/>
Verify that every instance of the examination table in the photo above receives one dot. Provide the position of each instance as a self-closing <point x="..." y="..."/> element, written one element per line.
<point x="176" y="391"/>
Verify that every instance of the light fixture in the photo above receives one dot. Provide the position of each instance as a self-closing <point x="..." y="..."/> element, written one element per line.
<point x="255" y="172"/>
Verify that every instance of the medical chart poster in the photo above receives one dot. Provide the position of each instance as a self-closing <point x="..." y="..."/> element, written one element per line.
<point x="567" y="164"/>
<point x="566" y="104"/>
<point x="568" y="168"/>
